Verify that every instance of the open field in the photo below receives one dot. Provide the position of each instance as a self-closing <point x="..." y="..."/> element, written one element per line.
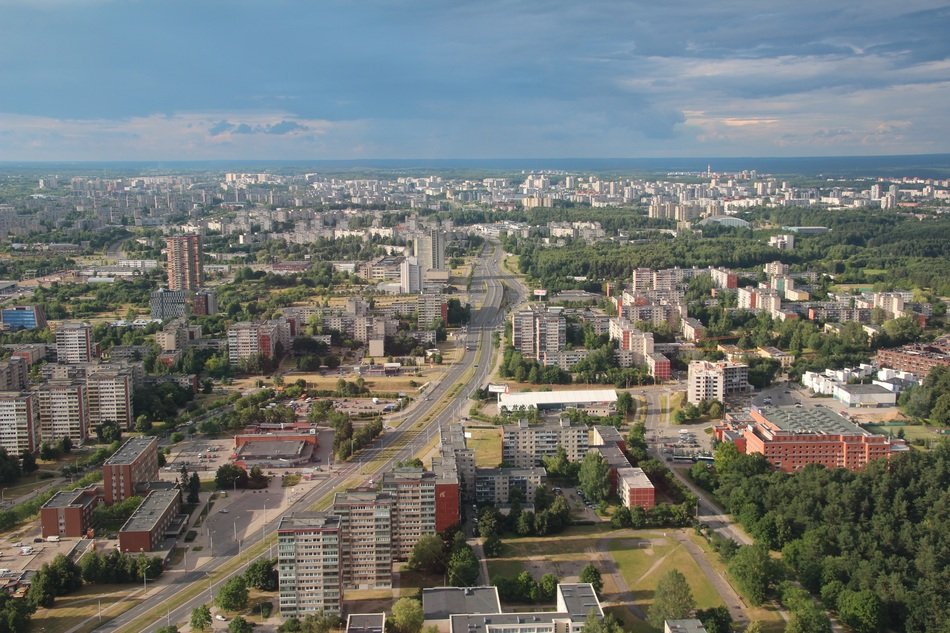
<point x="911" y="431"/>
<point x="487" y="446"/>
<point x="81" y="609"/>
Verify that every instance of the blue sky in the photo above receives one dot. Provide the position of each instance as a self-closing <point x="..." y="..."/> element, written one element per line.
<point x="336" y="79"/>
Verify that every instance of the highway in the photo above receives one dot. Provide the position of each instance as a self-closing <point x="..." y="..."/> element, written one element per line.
<point x="439" y="404"/>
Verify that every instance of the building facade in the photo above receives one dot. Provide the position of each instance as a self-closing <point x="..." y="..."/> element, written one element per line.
<point x="110" y="397"/>
<point x="525" y="446"/>
<point x="714" y="381"/>
<point x="185" y="270"/>
<point x="309" y="553"/>
<point x="64" y="411"/>
<point x="74" y="342"/>
<point x="136" y="462"/>
<point x="19" y="422"/>
<point x="366" y="535"/>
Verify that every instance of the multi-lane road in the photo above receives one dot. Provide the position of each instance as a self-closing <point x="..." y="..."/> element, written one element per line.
<point x="442" y="402"/>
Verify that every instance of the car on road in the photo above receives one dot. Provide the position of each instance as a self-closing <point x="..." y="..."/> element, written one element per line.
<point x="224" y="511"/>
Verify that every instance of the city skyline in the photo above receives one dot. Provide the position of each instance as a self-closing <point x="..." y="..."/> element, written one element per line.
<point x="103" y="80"/>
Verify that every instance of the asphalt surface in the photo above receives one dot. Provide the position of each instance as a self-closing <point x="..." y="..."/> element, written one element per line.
<point x="404" y="441"/>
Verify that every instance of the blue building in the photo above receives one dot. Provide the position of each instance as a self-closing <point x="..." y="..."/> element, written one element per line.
<point x="23" y="317"/>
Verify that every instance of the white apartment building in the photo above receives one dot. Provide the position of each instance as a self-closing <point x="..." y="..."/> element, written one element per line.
<point x="110" y="397"/>
<point x="524" y="445"/>
<point x="366" y="524"/>
<point x="63" y="411"/>
<point x="714" y="381"/>
<point x="74" y="342"/>
<point x="539" y="333"/>
<point x="19" y="422"/>
<point x="413" y="492"/>
<point x="522" y="332"/>
<point x="429" y="307"/>
<point x="631" y="339"/>
<point x="247" y="339"/>
<point x="308" y="564"/>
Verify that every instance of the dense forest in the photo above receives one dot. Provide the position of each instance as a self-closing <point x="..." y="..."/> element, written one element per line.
<point x="877" y="536"/>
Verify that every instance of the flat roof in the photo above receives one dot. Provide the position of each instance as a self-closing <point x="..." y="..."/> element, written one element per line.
<point x="130" y="451"/>
<point x="579" y="598"/>
<point x="608" y="433"/>
<point x="151" y="511"/>
<point x="67" y="498"/>
<point x="305" y="520"/>
<point x="365" y="622"/>
<point x="614" y="456"/>
<point x="812" y="421"/>
<point x="865" y="389"/>
<point x="684" y="626"/>
<point x="273" y="448"/>
<point x="634" y="477"/>
<point x="534" y="471"/>
<point x="439" y="603"/>
<point x="540" y="398"/>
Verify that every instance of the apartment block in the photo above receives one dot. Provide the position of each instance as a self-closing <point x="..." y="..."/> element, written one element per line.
<point x="110" y="397"/>
<point x="14" y="374"/>
<point x="366" y="535"/>
<point x="204" y="303"/>
<point x="136" y="462"/>
<point x="496" y="485"/>
<point x="309" y="554"/>
<point x="430" y="307"/>
<point x="74" y="342"/>
<point x="524" y="445"/>
<point x="69" y="512"/>
<point x="522" y="332"/>
<point x="714" y="381"/>
<point x="539" y="333"/>
<point x="414" y="495"/>
<point x="630" y="338"/>
<point x="19" y="422"/>
<point x="918" y="359"/>
<point x="635" y="488"/>
<point x="149" y="526"/>
<point x="185" y="270"/>
<point x="63" y="411"/>
<point x="429" y="249"/>
<point x="248" y="339"/>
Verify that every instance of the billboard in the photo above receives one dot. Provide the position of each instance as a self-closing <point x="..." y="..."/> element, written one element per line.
<point x="497" y="388"/>
<point x="540" y="292"/>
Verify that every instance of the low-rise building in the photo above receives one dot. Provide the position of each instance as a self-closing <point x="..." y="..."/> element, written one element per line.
<point x="136" y="462"/>
<point x="69" y="512"/>
<point x="635" y="488"/>
<point x="147" y="528"/>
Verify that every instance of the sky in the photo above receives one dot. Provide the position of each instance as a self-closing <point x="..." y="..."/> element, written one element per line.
<point x="351" y="79"/>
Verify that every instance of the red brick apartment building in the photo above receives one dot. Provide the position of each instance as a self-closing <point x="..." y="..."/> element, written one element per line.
<point x="69" y="512"/>
<point x="790" y="438"/>
<point x="134" y="463"/>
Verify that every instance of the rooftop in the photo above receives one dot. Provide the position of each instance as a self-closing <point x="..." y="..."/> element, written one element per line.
<point x="151" y="511"/>
<point x="438" y="603"/>
<point x="131" y="450"/>
<point x="541" y="398"/>
<point x="273" y="449"/>
<point x="308" y="520"/>
<point x="814" y="421"/>
<point x="865" y="389"/>
<point x="365" y="623"/>
<point x="684" y="626"/>
<point x="634" y="477"/>
<point x="535" y="471"/>
<point x="75" y="497"/>
<point x="579" y="598"/>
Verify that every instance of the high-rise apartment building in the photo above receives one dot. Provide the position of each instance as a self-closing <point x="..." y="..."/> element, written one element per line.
<point x="309" y="570"/>
<point x="410" y="276"/>
<point x="429" y="249"/>
<point x="110" y="397"/>
<point x="74" y="342"/>
<point x="19" y="422"/>
<point x="524" y="445"/>
<point x="63" y="411"/>
<point x="185" y="271"/>
<point x="413" y="493"/>
<point x="540" y="332"/>
<point x="264" y="339"/>
<point x="14" y="374"/>
<point x="366" y="532"/>
<point x="134" y="463"/>
<point x="522" y="332"/>
<point x="714" y="381"/>
<point x="430" y="307"/>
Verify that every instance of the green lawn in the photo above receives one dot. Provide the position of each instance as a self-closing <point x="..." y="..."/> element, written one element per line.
<point x="911" y="431"/>
<point x="486" y="444"/>
<point x="504" y="568"/>
<point x="643" y="562"/>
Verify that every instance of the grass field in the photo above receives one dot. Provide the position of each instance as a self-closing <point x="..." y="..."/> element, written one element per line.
<point x="81" y="609"/>
<point x="642" y="563"/>
<point x="486" y="443"/>
<point x="911" y="431"/>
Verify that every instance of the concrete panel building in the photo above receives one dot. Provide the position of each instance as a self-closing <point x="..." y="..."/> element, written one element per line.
<point x="714" y="381"/>
<point x="64" y="411"/>
<point x="74" y="342"/>
<point x="185" y="270"/>
<point x="366" y="534"/>
<point x="309" y="564"/>
<point x="19" y="422"/>
<point x="524" y="445"/>
<point x="136" y="462"/>
<point x="495" y="485"/>
<point x="110" y="397"/>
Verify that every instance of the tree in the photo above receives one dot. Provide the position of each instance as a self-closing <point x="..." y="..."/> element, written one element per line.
<point x="240" y="625"/>
<point x="548" y="587"/>
<point x="233" y="594"/>
<point x="428" y="555"/>
<point x="754" y="627"/>
<point x="716" y="619"/>
<point x="626" y="405"/>
<point x="673" y="599"/>
<point x="492" y="546"/>
<point x="66" y="445"/>
<point x="194" y="487"/>
<point x="200" y="618"/>
<point x="592" y="575"/>
<point x="754" y="571"/>
<point x="262" y="575"/>
<point x="168" y="629"/>
<point x="860" y="610"/>
<point x="228" y="476"/>
<point x="408" y="616"/>
<point x="595" y="624"/>
<point x="594" y="477"/>
<point x="463" y="568"/>
<point x="14" y="614"/>
<point x="28" y="461"/>
<point x="42" y="591"/>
